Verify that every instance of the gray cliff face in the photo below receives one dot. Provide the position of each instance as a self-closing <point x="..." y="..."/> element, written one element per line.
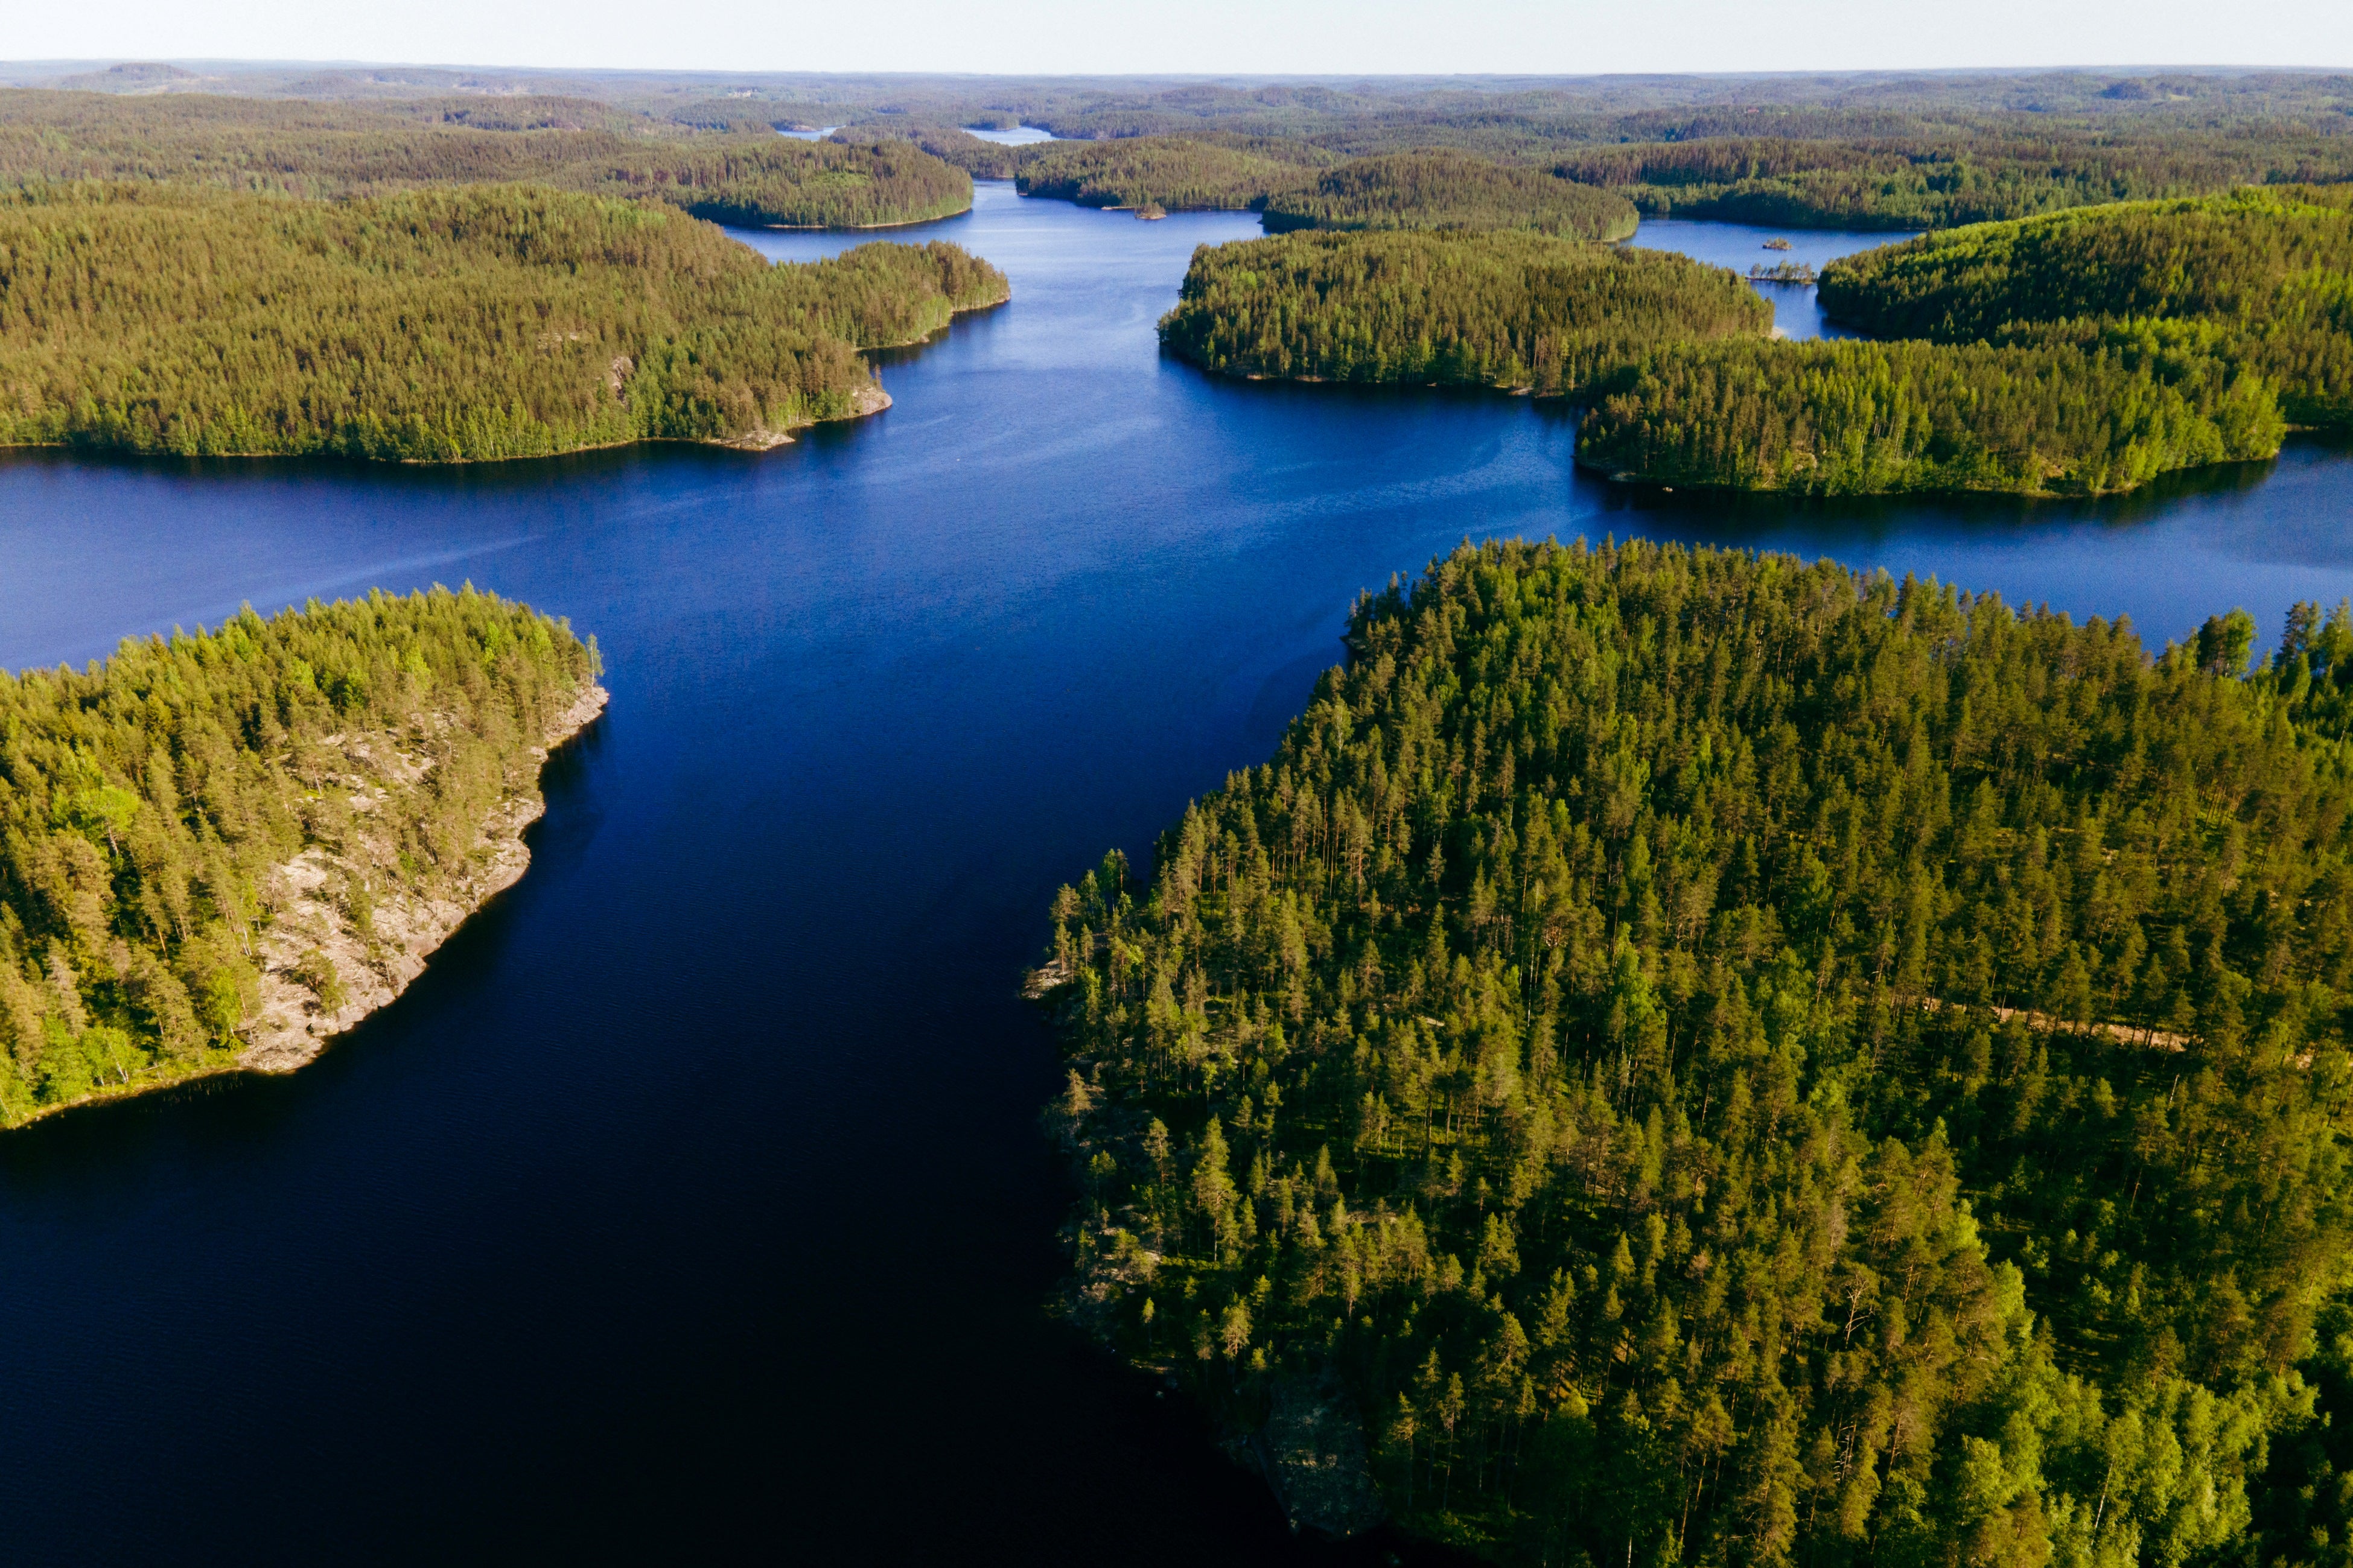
<point x="359" y="917"/>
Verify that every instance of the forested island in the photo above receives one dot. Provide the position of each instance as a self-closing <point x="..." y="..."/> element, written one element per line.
<point x="2086" y="351"/>
<point x="1450" y="190"/>
<point x="1506" y="309"/>
<point x="217" y="849"/>
<point x="1891" y="150"/>
<point x="444" y="324"/>
<point x="1691" y="1056"/>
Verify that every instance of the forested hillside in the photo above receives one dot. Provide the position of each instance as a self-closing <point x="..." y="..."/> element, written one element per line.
<point x="1166" y="170"/>
<point x="1692" y="1057"/>
<point x="2266" y="276"/>
<point x="1832" y="170"/>
<point x="1450" y="190"/>
<point x="1506" y="309"/>
<point x="144" y="802"/>
<point x="1867" y="419"/>
<point x="438" y="325"/>
<point x="340" y="150"/>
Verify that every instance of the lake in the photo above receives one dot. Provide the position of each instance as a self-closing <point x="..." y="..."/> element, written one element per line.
<point x="693" y="1202"/>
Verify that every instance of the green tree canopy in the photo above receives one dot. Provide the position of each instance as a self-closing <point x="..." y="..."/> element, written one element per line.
<point x="1507" y="308"/>
<point x="1723" y="1060"/>
<point x="145" y="800"/>
<point x="454" y="323"/>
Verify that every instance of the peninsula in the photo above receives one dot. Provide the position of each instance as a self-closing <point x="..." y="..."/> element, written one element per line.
<point x="2080" y="352"/>
<point x="222" y="849"/>
<point x="1692" y="1055"/>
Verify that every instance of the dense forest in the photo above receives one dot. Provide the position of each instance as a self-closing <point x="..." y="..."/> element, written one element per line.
<point x="340" y="149"/>
<point x="1864" y="418"/>
<point x="1866" y="150"/>
<point x="1166" y="172"/>
<point x="1685" y="1056"/>
<point x="1450" y="190"/>
<point x="468" y="322"/>
<point x="1892" y="153"/>
<point x="1929" y="175"/>
<point x="2081" y="351"/>
<point x="144" y="802"/>
<point x="2262" y="276"/>
<point x="1506" y="308"/>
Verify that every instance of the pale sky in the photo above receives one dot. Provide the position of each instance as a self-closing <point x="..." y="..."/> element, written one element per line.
<point x="1256" y="36"/>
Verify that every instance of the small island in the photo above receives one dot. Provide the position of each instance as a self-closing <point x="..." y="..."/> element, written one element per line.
<point x="1506" y="309"/>
<point x="453" y="324"/>
<point x="222" y="848"/>
<point x="1700" y="1056"/>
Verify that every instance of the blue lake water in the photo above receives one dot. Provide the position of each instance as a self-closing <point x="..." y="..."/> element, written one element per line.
<point x="692" y="1202"/>
<point x="1741" y="246"/>
<point x="1012" y="135"/>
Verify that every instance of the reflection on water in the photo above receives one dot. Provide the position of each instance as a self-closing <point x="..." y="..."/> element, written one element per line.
<point x="1741" y="246"/>
<point x="692" y="1202"/>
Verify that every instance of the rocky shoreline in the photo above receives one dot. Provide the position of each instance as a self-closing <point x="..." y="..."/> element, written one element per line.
<point x="367" y="951"/>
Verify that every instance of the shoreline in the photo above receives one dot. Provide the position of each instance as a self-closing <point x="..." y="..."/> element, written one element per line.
<point x="851" y="227"/>
<point x="954" y="313"/>
<point x="284" y="1035"/>
<point x="865" y="403"/>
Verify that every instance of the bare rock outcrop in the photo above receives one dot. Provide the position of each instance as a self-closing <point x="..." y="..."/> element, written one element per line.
<point x="348" y="930"/>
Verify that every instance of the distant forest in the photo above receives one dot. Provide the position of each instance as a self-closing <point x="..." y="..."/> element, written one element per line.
<point x="339" y="149"/>
<point x="1168" y="172"/>
<point x="1450" y="190"/>
<point x="466" y="323"/>
<point x="1866" y="152"/>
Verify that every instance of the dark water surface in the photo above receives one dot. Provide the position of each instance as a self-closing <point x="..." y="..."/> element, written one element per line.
<point x="692" y="1205"/>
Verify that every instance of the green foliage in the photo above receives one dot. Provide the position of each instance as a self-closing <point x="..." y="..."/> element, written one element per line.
<point x="2085" y="350"/>
<point x="1174" y="173"/>
<point x="1727" y="1060"/>
<point x="1861" y="418"/>
<point x="1450" y="190"/>
<point x="437" y="325"/>
<point x="144" y="801"/>
<point x="1505" y="308"/>
<point x="1927" y="174"/>
<point x="776" y="181"/>
<point x="2268" y="271"/>
<point x="343" y="150"/>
